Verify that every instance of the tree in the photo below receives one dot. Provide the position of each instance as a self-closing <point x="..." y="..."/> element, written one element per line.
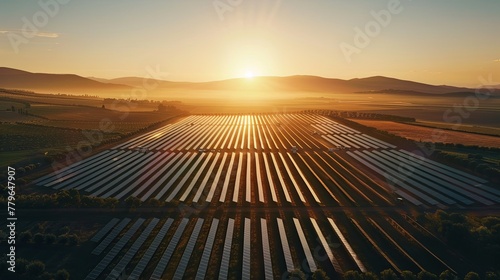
<point x="352" y="275"/>
<point x="38" y="238"/>
<point x="426" y="275"/>
<point x="388" y="274"/>
<point x="62" y="274"/>
<point x="21" y="265"/>
<point x="369" y="276"/>
<point x="62" y="239"/>
<point x="35" y="269"/>
<point x="320" y="275"/>
<point x="408" y="275"/>
<point x="296" y="274"/>
<point x="491" y="276"/>
<point x="50" y="238"/>
<point x="447" y="275"/>
<point x="472" y="276"/>
<point x="133" y="202"/>
<point x="73" y="239"/>
<point x="25" y="237"/>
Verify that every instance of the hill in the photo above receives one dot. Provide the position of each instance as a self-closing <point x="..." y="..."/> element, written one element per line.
<point x="17" y="79"/>
<point x="43" y="82"/>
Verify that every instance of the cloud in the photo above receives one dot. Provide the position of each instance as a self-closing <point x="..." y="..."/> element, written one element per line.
<point x="47" y="35"/>
<point x="39" y="34"/>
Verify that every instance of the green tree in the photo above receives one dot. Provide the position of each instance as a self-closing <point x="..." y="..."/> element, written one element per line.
<point x="491" y="276"/>
<point x="447" y="275"/>
<point x="25" y="237"/>
<point x="133" y="202"/>
<point x="472" y="276"/>
<point x="50" y="238"/>
<point x="62" y="239"/>
<point x="426" y="275"/>
<point x="21" y="265"/>
<point x="352" y="275"/>
<point x="296" y="274"/>
<point x="73" y="239"/>
<point x="369" y="276"/>
<point x="388" y="274"/>
<point x="320" y="275"/>
<point x="38" y="238"/>
<point x="35" y="269"/>
<point x="62" y="274"/>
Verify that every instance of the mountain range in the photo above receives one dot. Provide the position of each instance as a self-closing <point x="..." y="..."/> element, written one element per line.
<point x="70" y="83"/>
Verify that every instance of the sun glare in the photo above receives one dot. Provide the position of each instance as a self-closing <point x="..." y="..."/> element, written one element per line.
<point x="249" y="74"/>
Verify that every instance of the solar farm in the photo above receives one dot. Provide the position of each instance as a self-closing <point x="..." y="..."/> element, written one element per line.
<point x="268" y="194"/>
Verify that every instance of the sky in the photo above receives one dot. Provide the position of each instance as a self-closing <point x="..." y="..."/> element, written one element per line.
<point x="431" y="41"/>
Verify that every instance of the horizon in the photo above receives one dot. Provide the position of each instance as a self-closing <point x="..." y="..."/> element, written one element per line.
<point x="213" y="41"/>
<point x="111" y="80"/>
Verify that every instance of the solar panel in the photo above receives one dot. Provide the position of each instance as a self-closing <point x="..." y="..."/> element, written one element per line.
<point x="205" y="258"/>
<point x="285" y="246"/>
<point x="436" y="177"/>
<point x="185" y="177"/>
<point x="326" y="246"/>
<point x="120" y="267"/>
<point x="181" y="268"/>
<point x="100" y="234"/>
<point x="305" y="246"/>
<point x="141" y="265"/>
<point x="311" y="189"/>
<point x="151" y="169"/>
<point x="69" y="169"/>
<point x="112" y="235"/>
<point x="347" y="246"/>
<point x="134" y="171"/>
<point x="208" y="174"/>
<point x="226" y="254"/>
<point x="226" y="180"/>
<point x="270" y="179"/>
<point x="248" y="185"/>
<point x="280" y="178"/>
<point x="245" y="270"/>
<point x="101" y="266"/>
<point x="290" y="176"/>
<point x="162" y="264"/>
<point x="216" y="179"/>
<point x="196" y="176"/>
<point x="266" y="250"/>
<point x="412" y="180"/>
<point x="380" y="169"/>
<point x="238" y="178"/>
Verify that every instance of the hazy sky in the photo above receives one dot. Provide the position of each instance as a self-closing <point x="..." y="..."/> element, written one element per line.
<point x="432" y="41"/>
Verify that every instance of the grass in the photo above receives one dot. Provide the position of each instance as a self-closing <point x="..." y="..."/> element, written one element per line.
<point x="465" y="128"/>
<point x="17" y="137"/>
<point x="427" y="134"/>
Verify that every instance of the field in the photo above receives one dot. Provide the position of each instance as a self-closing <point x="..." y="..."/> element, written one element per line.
<point x="47" y="126"/>
<point x="420" y="133"/>
<point x="259" y="195"/>
<point x="247" y="194"/>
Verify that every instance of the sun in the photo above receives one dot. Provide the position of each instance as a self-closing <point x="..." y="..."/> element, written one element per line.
<point x="249" y="74"/>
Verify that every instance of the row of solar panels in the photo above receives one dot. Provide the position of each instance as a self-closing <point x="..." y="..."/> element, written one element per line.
<point x="111" y="230"/>
<point x="230" y="132"/>
<point x="422" y="180"/>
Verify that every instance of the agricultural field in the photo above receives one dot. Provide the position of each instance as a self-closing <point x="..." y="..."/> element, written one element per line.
<point x="257" y="196"/>
<point x="421" y="133"/>
<point x="495" y="131"/>
<point x="48" y="130"/>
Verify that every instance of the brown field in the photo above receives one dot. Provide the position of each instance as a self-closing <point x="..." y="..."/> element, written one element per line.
<point x="420" y="133"/>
